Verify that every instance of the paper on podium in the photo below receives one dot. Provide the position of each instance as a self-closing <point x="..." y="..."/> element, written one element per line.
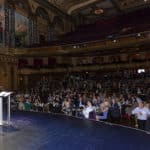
<point x="5" y="94"/>
<point x="2" y="94"/>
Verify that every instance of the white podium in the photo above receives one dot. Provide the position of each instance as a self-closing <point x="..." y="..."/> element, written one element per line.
<point x="5" y="95"/>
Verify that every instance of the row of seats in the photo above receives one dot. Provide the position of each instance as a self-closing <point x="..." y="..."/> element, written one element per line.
<point x="105" y="28"/>
<point x="125" y="24"/>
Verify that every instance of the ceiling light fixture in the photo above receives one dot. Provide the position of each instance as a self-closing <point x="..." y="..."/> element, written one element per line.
<point x="99" y="11"/>
<point x="114" y="41"/>
<point x="138" y="34"/>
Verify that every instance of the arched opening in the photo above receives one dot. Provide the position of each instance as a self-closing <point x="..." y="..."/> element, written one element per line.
<point x="22" y="11"/>
<point x="42" y="25"/>
<point x="58" y="25"/>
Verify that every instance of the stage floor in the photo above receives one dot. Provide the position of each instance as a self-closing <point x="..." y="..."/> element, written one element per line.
<point x="34" y="131"/>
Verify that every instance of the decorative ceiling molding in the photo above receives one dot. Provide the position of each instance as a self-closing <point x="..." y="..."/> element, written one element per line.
<point x="131" y="4"/>
<point x="33" y="6"/>
<point x="70" y="10"/>
<point x="120" y="6"/>
<point x="53" y="8"/>
<point x="78" y="6"/>
<point x="116" y="5"/>
<point x="21" y="6"/>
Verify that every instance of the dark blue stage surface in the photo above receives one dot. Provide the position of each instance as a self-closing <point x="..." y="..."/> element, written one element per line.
<point x="34" y="131"/>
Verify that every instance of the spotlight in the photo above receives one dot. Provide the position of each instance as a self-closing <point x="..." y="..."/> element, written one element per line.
<point x="138" y="34"/>
<point x="114" y="41"/>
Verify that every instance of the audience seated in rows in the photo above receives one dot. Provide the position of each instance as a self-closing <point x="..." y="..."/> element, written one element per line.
<point x="113" y="99"/>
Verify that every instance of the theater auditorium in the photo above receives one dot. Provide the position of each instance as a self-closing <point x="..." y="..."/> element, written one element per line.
<point x="74" y="74"/>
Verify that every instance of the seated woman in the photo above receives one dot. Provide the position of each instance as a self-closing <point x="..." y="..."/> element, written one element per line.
<point x="88" y="109"/>
<point x="103" y="116"/>
<point x="36" y="104"/>
<point x="66" y="106"/>
<point x="40" y="107"/>
<point x="21" y="106"/>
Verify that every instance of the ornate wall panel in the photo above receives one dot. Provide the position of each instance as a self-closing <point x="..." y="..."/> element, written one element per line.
<point x="35" y="33"/>
<point x="7" y="23"/>
<point x="12" y="28"/>
<point x="2" y="23"/>
<point x="31" y="40"/>
<point x="42" y="27"/>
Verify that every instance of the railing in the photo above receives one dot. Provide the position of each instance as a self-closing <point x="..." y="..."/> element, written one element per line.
<point x="116" y="38"/>
<point x="6" y="51"/>
<point x="121" y="42"/>
<point x="145" y="64"/>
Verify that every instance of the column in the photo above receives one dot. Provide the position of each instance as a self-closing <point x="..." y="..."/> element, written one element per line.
<point x="12" y="28"/>
<point x="15" y="77"/>
<point x="6" y="34"/>
<point x="8" y="110"/>
<point x="31" y="40"/>
<point x="50" y="31"/>
<point x="1" y="110"/>
<point x="2" y="19"/>
<point x="9" y="26"/>
<point x="35" y="32"/>
<point x="26" y="83"/>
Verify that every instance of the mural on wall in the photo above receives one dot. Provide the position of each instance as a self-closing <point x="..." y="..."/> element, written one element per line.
<point x="2" y="21"/>
<point x="21" y="30"/>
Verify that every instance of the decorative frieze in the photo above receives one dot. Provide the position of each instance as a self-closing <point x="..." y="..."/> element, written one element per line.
<point x="8" y="59"/>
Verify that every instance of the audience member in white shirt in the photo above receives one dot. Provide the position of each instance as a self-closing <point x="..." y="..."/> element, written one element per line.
<point x="142" y="114"/>
<point x="89" y="108"/>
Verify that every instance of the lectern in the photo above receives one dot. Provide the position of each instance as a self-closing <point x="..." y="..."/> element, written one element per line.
<point x="3" y="95"/>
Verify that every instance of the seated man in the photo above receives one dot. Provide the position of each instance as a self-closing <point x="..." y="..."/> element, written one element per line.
<point x="115" y="112"/>
<point x="36" y="104"/>
<point x="28" y="105"/>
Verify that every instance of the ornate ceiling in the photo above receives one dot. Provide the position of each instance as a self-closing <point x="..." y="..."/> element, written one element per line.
<point x="86" y="9"/>
<point x="70" y="6"/>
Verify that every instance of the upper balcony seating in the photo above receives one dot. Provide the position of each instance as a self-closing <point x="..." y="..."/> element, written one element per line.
<point x="126" y="24"/>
